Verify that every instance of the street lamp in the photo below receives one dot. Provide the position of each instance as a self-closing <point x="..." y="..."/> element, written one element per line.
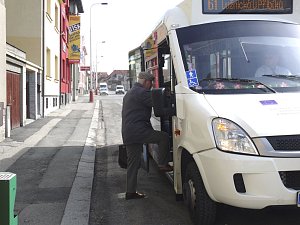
<point x="96" y="79"/>
<point x="91" y="59"/>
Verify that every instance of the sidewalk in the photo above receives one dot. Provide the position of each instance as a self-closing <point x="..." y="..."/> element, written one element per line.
<point x="76" y="210"/>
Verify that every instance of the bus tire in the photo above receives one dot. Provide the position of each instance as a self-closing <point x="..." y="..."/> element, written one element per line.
<point x="202" y="209"/>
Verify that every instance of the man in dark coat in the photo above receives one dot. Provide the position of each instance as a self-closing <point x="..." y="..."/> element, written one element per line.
<point x="137" y="130"/>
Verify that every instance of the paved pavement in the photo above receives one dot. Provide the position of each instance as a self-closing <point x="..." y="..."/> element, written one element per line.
<point x="69" y="188"/>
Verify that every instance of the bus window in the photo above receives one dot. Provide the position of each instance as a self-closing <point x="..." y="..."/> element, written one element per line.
<point x="239" y="57"/>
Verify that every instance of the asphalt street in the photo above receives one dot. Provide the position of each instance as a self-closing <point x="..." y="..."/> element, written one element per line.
<point x="67" y="174"/>
<point x="67" y="171"/>
<point x="108" y="205"/>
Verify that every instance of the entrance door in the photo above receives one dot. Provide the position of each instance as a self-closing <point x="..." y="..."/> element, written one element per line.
<point x="13" y="98"/>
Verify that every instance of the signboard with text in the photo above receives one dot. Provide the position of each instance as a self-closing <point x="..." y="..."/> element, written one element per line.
<point x="247" y="6"/>
<point x="74" y="39"/>
<point x="85" y="68"/>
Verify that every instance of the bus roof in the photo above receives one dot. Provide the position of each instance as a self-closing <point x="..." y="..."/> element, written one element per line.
<point x="192" y="12"/>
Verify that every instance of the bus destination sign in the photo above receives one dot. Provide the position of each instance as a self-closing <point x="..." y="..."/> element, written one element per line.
<point x="247" y="6"/>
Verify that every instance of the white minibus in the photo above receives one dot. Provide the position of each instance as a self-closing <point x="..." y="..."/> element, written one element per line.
<point x="231" y="69"/>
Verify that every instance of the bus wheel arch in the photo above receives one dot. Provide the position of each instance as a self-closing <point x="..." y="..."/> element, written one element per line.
<point x="201" y="207"/>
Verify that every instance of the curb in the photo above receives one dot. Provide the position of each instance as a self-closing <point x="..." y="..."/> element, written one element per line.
<point x="77" y="209"/>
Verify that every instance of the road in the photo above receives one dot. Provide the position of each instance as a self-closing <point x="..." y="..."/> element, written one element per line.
<point x="110" y="208"/>
<point x="108" y="204"/>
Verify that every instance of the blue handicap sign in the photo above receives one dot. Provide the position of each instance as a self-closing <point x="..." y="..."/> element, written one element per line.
<point x="192" y="78"/>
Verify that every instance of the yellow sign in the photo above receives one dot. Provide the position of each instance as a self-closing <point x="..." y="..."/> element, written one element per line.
<point x="150" y="47"/>
<point x="74" y="39"/>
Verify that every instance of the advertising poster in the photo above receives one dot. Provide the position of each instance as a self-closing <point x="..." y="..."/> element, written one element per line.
<point x="74" y="39"/>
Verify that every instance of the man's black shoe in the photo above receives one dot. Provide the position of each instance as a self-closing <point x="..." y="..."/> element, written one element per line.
<point x="136" y="195"/>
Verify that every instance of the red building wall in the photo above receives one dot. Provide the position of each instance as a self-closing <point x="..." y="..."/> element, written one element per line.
<point x="65" y="80"/>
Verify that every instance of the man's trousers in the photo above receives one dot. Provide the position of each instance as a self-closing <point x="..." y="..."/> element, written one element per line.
<point x="134" y="152"/>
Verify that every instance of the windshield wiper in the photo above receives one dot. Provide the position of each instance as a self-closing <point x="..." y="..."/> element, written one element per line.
<point x="260" y="83"/>
<point x="289" y="77"/>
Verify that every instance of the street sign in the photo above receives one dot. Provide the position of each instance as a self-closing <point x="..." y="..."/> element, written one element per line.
<point x="85" y="68"/>
<point x="192" y="78"/>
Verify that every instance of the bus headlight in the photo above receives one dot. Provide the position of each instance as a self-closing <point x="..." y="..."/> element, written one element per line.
<point x="230" y="137"/>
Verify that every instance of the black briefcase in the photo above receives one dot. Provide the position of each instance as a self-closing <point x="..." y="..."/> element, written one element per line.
<point x="122" y="160"/>
<point x="122" y="157"/>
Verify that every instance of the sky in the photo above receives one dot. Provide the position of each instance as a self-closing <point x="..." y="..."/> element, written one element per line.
<point x="119" y="27"/>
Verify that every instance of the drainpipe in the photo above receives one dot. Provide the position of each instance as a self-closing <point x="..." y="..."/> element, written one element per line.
<point x="43" y="61"/>
<point x="60" y="58"/>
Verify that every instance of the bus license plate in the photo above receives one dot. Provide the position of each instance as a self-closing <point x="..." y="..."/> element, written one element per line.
<point x="298" y="199"/>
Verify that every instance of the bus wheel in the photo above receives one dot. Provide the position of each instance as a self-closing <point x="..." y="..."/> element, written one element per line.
<point x="202" y="208"/>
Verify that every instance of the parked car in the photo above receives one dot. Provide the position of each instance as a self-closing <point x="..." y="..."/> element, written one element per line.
<point x="103" y="89"/>
<point x="120" y="89"/>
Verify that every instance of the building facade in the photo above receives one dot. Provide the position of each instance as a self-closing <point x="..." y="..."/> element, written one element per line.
<point x="65" y="78"/>
<point x="52" y="56"/>
<point x="75" y="9"/>
<point x="15" y="83"/>
<point x="118" y="77"/>
<point x="25" y="33"/>
<point x="83" y="76"/>
<point x="33" y="58"/>
<point x="2" y="68"/>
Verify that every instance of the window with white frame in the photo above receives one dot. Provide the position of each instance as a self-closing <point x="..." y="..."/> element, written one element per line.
<point x="56" y="17"/>
<point x="48" y="74"/>
<point x="56" y="68"/>
<point x="49" y="7"/>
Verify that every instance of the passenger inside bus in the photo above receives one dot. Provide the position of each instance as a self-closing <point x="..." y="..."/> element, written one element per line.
<point x="271" y="65"/>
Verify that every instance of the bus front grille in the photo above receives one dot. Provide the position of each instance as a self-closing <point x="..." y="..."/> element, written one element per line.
<point x="285" y="143"/>
<point x="290" y="179"/>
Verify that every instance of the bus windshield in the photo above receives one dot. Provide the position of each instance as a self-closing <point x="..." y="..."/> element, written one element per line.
<point x="242" y="56"/>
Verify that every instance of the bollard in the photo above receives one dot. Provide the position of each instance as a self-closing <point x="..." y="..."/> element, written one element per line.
<point x="91" y="96"/>
<point x="7" y="121"/>
<point x="8" y="187"/>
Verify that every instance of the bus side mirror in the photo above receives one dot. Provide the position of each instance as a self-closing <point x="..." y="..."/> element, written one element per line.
<point x="162" y="104"/>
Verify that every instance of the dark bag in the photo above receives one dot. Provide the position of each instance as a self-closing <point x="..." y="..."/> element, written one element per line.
<point x="122" y="160"/>
<point x="122" y="156"/>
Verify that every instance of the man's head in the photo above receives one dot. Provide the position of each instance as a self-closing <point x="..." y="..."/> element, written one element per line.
<point x="146" y="79"/>
<point x="271" y="58"/>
